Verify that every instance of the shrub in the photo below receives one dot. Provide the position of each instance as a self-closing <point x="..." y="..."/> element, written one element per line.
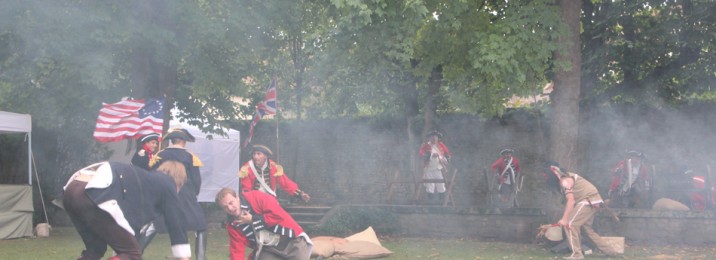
<point x="347" y="220"/>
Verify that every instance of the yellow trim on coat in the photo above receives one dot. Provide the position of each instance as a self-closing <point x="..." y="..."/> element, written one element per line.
<point x="279" y="169"/>
<point x="155" y="159"/>
<point x="195" y="161"/>
<point x="244" y="171"/>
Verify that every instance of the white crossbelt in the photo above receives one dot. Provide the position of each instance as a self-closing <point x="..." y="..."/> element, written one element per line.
<point x="264" y="187"/>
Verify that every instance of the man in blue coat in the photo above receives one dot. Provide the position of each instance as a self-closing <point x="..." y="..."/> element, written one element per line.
<point x="109" y="203"/>
<point x="194" y="218"/>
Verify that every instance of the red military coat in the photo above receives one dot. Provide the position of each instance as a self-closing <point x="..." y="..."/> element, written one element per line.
<point x="277" y="178"/>
<point x="620" y="172"/>
<point x="500" y="164"/>
<point x="426" y="150"/>
<point x="699" y="201"/>
<point x="267" y="214"/>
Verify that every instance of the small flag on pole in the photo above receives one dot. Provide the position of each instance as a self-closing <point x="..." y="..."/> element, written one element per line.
<point x="265" y="107"/>
<point x="129" y="119"/>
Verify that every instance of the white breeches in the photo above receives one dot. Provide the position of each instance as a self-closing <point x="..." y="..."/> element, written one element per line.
<point x="434" y="187"/>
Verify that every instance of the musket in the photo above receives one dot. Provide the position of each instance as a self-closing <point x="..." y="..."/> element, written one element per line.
<point x="651" y="183"/>
<point x="611" y="212"/>
<point x="518" y="188"/>
<point x="708" y="188"/>
<point x="522" y="180"/>
<point x="441" y="156"/>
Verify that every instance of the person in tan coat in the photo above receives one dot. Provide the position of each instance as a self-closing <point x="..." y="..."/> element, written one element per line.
<point x="582" y="203"/>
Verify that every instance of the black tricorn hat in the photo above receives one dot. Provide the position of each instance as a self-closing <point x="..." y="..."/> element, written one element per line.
<point x="435" y="133"/>
<point x="504" y="151"/>
<point x="180" y="133"/>
<point x="149" y="137"/>
<point x="634" y="153"/>
<point x="263" y="149"/>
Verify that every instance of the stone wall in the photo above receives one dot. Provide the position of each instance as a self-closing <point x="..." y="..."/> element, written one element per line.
<point x="350" y="160"/>
<point x="661" y="227"/>
<point x="342" y="162"/>
<point x="520" y="224"/>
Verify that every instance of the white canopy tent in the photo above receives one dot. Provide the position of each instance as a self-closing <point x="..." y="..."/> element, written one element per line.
<point x="16" y="206"/>
<point x="19" y="123"/>
<point x="220" y="155"/>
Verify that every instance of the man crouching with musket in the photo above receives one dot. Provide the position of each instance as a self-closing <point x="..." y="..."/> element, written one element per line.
<point x="256" y="220"/>
<point x="109" y="203"/>
<point x="583" y="201"/>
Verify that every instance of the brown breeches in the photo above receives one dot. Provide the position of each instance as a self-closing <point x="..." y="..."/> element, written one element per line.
<point x="96" y="227"/>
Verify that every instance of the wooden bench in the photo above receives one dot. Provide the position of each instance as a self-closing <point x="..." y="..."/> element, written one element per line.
<point x="395" y="181"/>
<point x="449" y="176"/>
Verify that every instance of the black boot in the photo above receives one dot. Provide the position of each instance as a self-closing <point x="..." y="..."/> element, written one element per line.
<point x="200" y="244"/>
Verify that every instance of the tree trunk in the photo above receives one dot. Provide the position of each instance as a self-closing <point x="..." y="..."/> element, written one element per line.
<point x="299" y="72"/>
<point x="565" y="97"/>
<point x="168" y="79"/>
<point x="151" y="78"/>
<point x="430" y="108"/>
<point x="412" y="109"/>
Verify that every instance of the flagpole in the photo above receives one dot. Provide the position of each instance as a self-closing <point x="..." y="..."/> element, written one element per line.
<point x="167" y="117"/>
<point x="278" y="148"/>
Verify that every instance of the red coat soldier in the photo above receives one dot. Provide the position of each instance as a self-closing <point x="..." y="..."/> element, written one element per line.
<point x="631" y="181"/>
<point x="262" y="173"/>
<point x="436" y="156"/>
<point x="256" y="220"/>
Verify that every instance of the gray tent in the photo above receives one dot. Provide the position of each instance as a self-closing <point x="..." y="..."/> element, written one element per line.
<point x="16" y="199"/>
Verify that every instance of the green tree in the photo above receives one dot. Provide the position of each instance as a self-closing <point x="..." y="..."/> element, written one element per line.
<point x="485" y="51"/>
<point x="61" y="59"/>
<point x="439" y="57"/>
<point x="648" y="53"/>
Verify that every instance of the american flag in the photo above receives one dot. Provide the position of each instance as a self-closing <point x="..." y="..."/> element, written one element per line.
<point x="265" y="107"/>
<point x="129" y="119"/>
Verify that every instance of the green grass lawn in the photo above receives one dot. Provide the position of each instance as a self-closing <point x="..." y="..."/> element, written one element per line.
<point x="64" y="243"/>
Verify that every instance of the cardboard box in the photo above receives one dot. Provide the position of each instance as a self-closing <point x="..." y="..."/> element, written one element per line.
<point x="617" y="243"/>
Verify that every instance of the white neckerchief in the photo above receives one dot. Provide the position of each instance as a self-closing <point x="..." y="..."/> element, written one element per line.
<point x="264" y="187"/>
